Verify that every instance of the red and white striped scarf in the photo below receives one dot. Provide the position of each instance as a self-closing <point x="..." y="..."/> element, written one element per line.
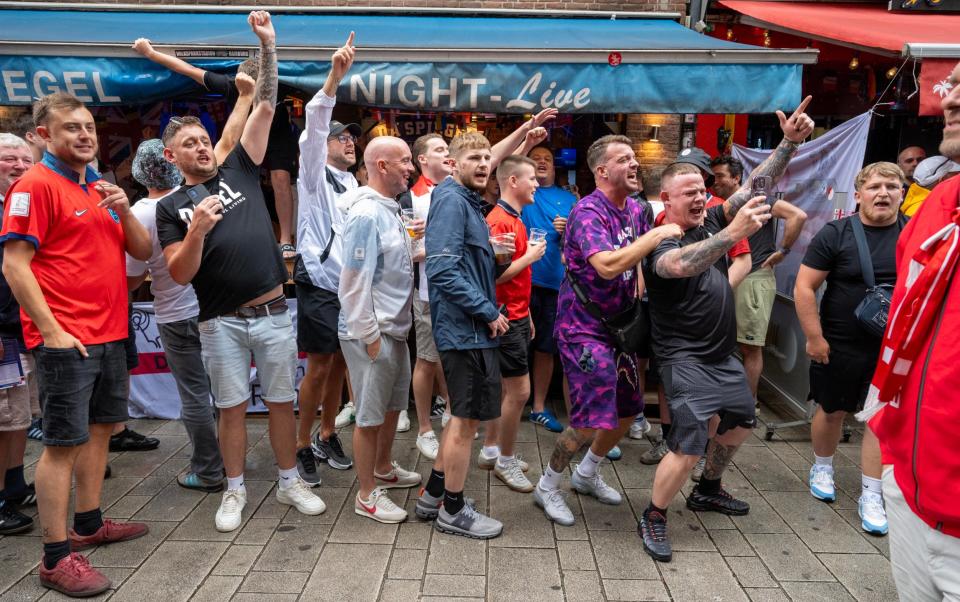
<point x="913" y="317"/>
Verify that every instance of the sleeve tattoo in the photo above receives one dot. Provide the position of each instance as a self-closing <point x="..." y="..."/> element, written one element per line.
<point x="773" y="166"/>
<point x="693" y="259"/>
<point x="267" y="78"/>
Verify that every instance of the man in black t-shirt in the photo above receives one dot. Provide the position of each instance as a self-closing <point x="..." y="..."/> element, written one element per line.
<point x="216" y="234"/>
<point x="844" y="355"/>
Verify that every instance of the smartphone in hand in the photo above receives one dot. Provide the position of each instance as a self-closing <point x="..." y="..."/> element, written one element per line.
<point x="762" y="187"/>
<point x="197" y="193"/>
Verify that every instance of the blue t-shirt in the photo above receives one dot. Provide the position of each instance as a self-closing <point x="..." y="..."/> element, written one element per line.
<point x="548" y="203"/>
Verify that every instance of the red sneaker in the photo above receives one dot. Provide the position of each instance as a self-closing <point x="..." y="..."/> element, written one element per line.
<point x="74" y="577"/>
<point x="110" y="532"/>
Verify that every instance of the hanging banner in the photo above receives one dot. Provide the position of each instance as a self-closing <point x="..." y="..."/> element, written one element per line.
<point x="935" y="84"/>
<point x="153" y="390"/>
<point x="819" y="180"/>
<point x="475" y="87"/>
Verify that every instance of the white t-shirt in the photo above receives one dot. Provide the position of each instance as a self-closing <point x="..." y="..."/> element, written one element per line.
<point x="421" y="208"/>
<point x="172" y="302"/>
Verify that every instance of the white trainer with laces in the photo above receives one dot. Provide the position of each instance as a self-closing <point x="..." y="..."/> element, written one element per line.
<point x="300" y="497"/>
<point x="821" y="483"/>
<point x="873" y="517"/>
<point x="512" y="475"/>
<point x="403" y="422"/>
<point x="428" y="445"/>
<point x="398" y="477"/>
<point x="346" y="416"/>
<point x="230" y="513"/>
<point x="379" y="507"/>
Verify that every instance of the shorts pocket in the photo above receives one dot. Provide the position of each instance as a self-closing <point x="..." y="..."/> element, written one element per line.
<point x="281" y="320"/>
<point x="208" y="327"/>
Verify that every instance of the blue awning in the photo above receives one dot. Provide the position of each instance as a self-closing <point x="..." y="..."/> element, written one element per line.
<point x="432" y="62"/>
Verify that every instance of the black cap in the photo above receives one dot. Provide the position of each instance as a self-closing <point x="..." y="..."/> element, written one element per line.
<point x="336" y="128"/>
<point x="698" y="157"/>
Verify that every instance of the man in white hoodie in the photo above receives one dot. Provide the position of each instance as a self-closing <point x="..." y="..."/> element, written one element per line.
<point x="376" y="293"/>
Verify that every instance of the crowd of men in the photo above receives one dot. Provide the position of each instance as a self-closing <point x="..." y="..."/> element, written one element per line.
<point x="492" y="287"/>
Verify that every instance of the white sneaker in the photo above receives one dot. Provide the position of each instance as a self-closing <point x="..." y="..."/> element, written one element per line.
<point x="403" y="422"/>
<point x="639" y="428"/>
<point x="490" y="463"/>
<point x="346" y="416"/>
<point x="230" y="512"/>
<point x="379" y="507"/>
<point x="821" y="483"/>
<point x="873" y="517"/>
<point x="445" y="419"/>
<point x="300" y="497"/>
<point x="398" y="477"/>
<point x="512" y="476"/>
<point x="428" y="445"/>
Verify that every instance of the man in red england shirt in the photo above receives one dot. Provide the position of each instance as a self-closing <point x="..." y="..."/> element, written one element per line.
<point x="64" y="235"/>
<point x="518" y="180"/>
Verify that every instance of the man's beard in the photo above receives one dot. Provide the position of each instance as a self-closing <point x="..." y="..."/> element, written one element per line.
<point x="950" y="147"/>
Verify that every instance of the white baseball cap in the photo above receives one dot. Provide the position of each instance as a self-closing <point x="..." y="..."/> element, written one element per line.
<point x="931" y="170"/>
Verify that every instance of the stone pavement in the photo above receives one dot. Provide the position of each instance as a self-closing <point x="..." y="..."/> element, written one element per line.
<point x="790" y="546"/>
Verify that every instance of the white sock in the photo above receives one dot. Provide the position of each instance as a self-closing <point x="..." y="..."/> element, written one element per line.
<point x="590" y="464"/>
<point x="491" y="451"/>
<point x="550" y="479"/>
<point x="502" y="461"/>
<point x="288" y="477"/>
<point x="236" y="483"/>
<point x="871" y="485"/>
<point x="823" y="460"/>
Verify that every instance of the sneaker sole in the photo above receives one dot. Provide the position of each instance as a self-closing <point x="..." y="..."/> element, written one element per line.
<point x="15" y="530"/>
<point x="426" y="454"/>
<point x="493" y="464"/>
<point x="385" y="521"/>
<point x="205" y="488"/>
<point x="591" y="494"/>
<point x="562" y="523"/>
<point x="322" y="457"/>
<point x="527" y="489"/>
<point x="656" y="556"/>
<point x="87" y="593"/>
<point x="424" y="514"/>
<point x="323" y="507"/>
<point x="719" y="509"/>
<point x="451" y="530"/>
<point x="822" y="497"/>
<point x="227" y="529"/>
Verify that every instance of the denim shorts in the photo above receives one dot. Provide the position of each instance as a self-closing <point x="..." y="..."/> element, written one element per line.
<point x="228" y="344"/>
<point x="77" y="391"/>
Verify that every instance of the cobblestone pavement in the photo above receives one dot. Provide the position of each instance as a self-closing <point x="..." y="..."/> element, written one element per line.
<point x="789" y="547"/>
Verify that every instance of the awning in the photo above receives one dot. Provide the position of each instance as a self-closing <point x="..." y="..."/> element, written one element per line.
<point x="432" y="62"/>
<point x="867" y="27"/>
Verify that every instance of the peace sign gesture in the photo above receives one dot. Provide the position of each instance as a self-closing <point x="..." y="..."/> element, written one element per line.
<point x="798" y="126"/>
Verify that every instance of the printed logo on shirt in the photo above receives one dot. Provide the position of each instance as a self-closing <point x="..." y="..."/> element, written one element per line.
<point x="228" y="198"/>
<point x="113" y="214"/>
<point x="359" y="253"/>
<point x="186" y="214"/>
<point x="20" y="204"/>
<point x="79" y="212"/>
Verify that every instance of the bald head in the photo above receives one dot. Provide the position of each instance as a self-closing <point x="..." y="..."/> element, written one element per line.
<point x="909" y="158"/>
<point x="389" y="165"/>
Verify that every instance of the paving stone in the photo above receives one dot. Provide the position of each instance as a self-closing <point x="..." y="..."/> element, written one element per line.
<point x="250" y="597"/>
<point x="149" y="486"/>
<point x="604" y="517"/>
<point x="762" y="518"/>
<point x="399" y="590"/>
<point x="350" y="527"/>
<point x="757" y="594"/>
<point x="817" y="524"/>
<point x="582" y="586"/>
<point x="471" y="586"/>
<point x="333" y="497"/>
<point x="414" y="533"/>
<point x="126" y="506"/>
<point x="520" y="529"/>
<point x="200" y="525"/>
<point x="217" y="588"/>
<point x="818" y="592"/>
<point x="27" y="589"/>
<point x="881" y="544"/>
<point x="635" y="589"/>
<point x="687" y="534"/>
<point x="141" y="464"/>
<point x="453" y="555"/>
<point x="701" y="576"/>
<point x="620" y="555"/>
<point x="788" y="558"/>
<point x="173" y="503"/>
<point x="177" y="568"/>
<point x="348" y="572"/>
<point x="257" y="531"/>
<point x="407" y="564"/>
<point x="131" y="553"/>
<point x="293" y="548"/>
<point x="287" y="582"/>
<point x="750" y="572"/>
<point x="866" y="576"/>
<point x="731" y="543"/>
<point x="576" y="556"/>
<point x="114" y="489"/>
<point x="509" y="575"/>
<point x="766" y="471"/>
<point x="237" y="560"/>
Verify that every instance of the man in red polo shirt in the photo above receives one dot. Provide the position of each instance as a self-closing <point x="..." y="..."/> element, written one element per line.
<point x="518" y="180"/>
<point x="64" y="234"/>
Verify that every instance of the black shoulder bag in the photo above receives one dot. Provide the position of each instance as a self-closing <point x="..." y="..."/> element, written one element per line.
<point x="873" y="310"/>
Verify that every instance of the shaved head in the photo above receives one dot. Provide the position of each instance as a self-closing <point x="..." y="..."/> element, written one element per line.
<point x="389" y="165"/>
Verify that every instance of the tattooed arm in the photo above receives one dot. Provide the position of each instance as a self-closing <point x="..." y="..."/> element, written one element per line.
<point x="796" y="129"/>
<point x="257" y="130"/>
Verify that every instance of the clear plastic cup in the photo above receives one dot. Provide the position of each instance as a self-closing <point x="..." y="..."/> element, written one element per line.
<point x="538" y="236"/>
<point x="502" y="244"/>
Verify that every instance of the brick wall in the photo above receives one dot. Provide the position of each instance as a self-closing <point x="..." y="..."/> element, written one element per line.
<point x="545" y="5"/>
<point x="654" y="156"/>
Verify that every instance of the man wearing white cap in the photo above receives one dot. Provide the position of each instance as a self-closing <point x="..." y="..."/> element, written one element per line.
<point x="928" y="174"/>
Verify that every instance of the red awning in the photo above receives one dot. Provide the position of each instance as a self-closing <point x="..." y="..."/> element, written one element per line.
<point x="868" y="27"/>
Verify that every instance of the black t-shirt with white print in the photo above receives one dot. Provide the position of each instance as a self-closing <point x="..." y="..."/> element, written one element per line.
<point x="241" y="259"/>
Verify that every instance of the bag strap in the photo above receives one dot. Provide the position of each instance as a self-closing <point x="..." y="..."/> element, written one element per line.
<point x="584" y="300"/>
<point x="866" y="265"/>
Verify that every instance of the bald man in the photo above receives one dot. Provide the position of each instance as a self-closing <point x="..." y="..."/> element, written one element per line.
<point x="909" y="158"/>
<point x="376" y="293"/>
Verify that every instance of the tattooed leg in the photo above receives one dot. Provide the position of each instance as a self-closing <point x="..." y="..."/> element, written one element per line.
<point x="721" y="449"/>
<point x="569" y="443"/>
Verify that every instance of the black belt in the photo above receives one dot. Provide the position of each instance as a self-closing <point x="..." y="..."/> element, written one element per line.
<point x="276" y="306"/>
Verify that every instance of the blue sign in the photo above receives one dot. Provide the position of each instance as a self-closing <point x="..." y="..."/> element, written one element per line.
<point x="479" y="87"/>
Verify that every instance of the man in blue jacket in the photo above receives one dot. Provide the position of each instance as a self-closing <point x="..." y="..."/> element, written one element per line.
<point x="466" y="323"/>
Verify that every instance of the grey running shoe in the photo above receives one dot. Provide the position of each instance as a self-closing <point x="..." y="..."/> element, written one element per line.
<point x="655" y="453"/>
<point x="553" y="505"/>
<point x="307" y="467"/>
<point x="331" y="452"/>
<point x="697" y="471"/>
<point x="468" y="523"/>
<point x="428" y="506"/>
<point x="512" y="476"/>
<point x="489" y="463"/>
<point x="653" y="530"/>
<point x="596" y="487"/>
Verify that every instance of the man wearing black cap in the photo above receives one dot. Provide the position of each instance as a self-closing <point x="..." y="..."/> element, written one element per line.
<point x="330" y="144"/>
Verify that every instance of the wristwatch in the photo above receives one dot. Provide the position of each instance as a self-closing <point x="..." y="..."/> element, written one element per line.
<point x="784" y="251"/>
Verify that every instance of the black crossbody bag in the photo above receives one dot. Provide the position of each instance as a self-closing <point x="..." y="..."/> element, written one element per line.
<point x="872" y="312"/>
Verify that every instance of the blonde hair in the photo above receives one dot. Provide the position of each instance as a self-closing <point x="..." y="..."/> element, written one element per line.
<point x="511" y="165"/>
<point x="880" y="168"/>
<point x="468" y="141"/>
<point x="58" y="101"/>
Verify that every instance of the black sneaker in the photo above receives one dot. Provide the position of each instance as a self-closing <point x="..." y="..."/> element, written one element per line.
<point x="35" y="431"/>
<point x="27" y="497"/>
<point x="653" y="530"/>
<point x="307" y="467"/>
<point x="331" y="452"/>
<point x="129" y="440"/>
<point x="12" y="521"/>
<point x="437" y="410"/>
<point x="721" y="502"/>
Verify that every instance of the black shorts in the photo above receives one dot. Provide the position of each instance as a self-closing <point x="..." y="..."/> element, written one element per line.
<point x="543" y="309"/>
<point x="473" y="379"/>
<point x="76" y="392"/>
<point x="514" y="349"/>
<point x="318" y="311"/>
<point x="842" y="384"/>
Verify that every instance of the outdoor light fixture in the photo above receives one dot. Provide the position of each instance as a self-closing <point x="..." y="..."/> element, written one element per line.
<point x="655" y="133"/>
<point x="854" y="62"/>
<point x="891" y="72"/>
